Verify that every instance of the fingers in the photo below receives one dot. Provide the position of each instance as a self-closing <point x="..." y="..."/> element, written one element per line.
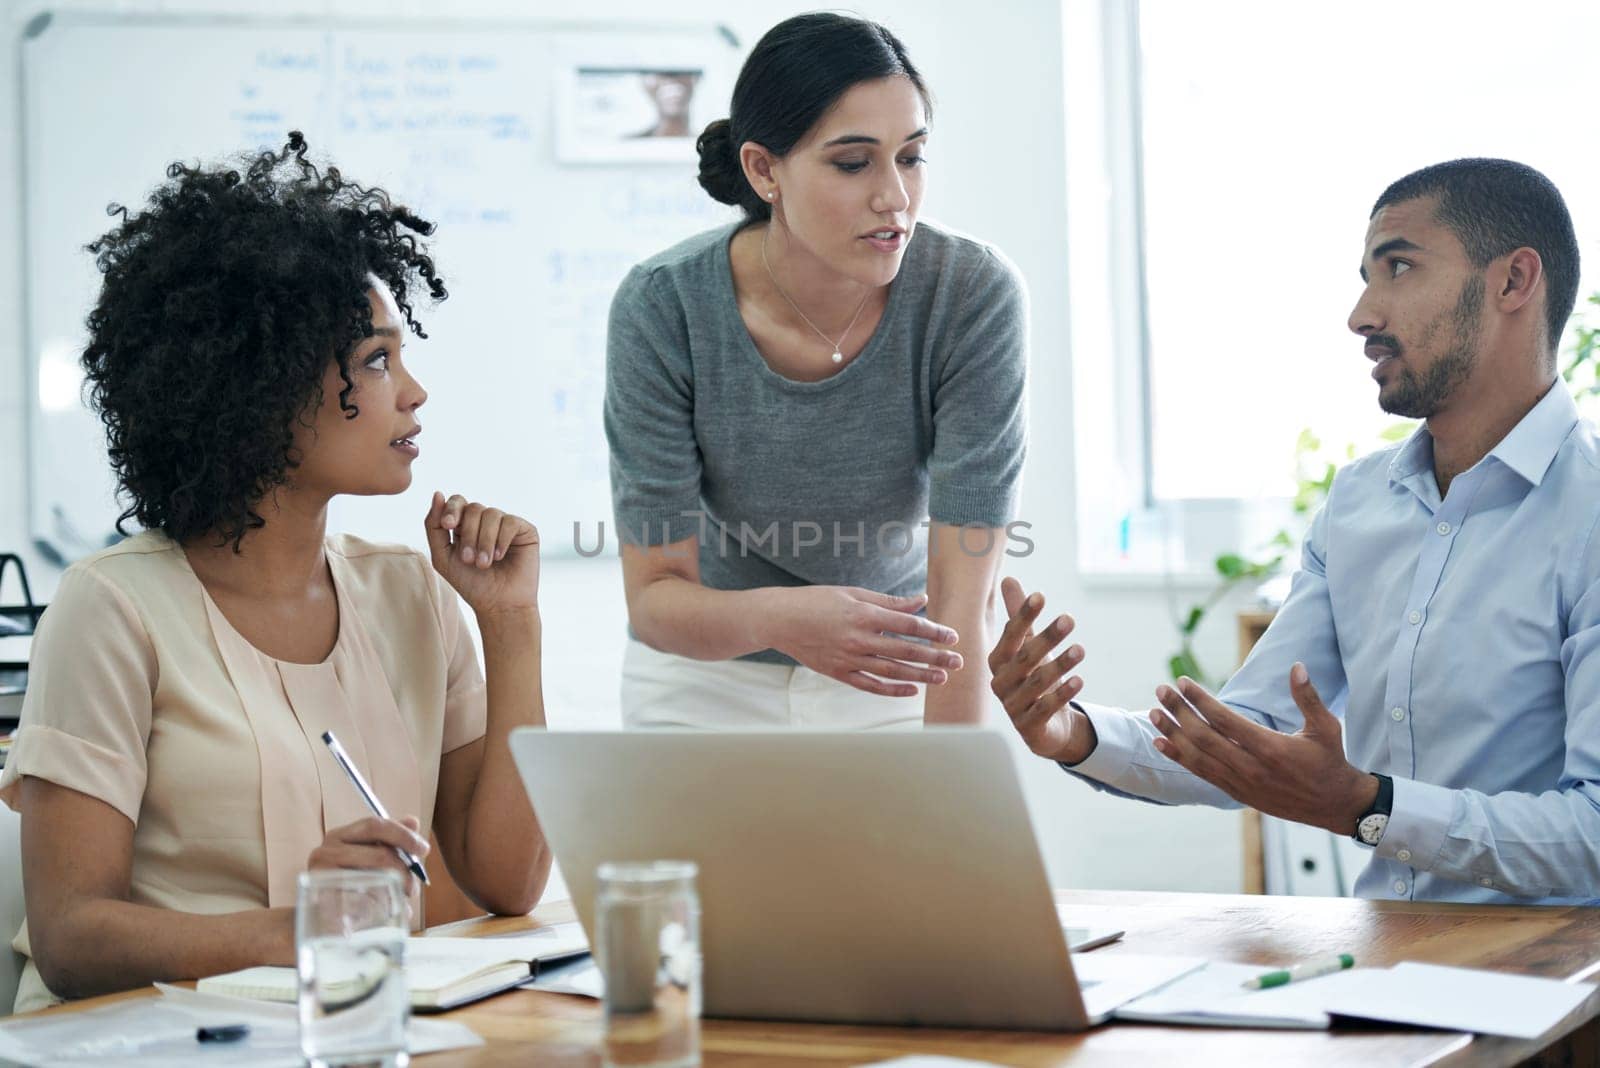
<point x="915" y="652"/>
<point x="1035" y="649"/>
<point x="1042" y="710"/>
<point x="890" y="668"/>
<point x="438" y="536"/>
<point x="893" y="622"/>
<point x="490" y="521"/>
<point x="1022" y="612"/>
<point x="450" y="515"/>
<point x="1191" y="735"/>
<point x="1179" y="745"/>
<point x="1011" y="593"/>
<point x="863" y="681"/>
<point x="475" y="537"/>
<point x="1245" y="733"/>
<point x="1319" y="722"/>
<point x="370" y="844"/>
<point x="359" y="857"/>
<point x="509" y="529"/>
<point x="914" y="603"/>
<point x="380" y="832"/>
<point x="1010" y="674"/>
<point x="1020" y="699"/>
<point x="479" y="535"/>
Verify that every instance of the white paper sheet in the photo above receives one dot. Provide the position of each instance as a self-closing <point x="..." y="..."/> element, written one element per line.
<point x="161" y="1031"/>
<point x="1214" y="997"/>
<point x="1460" y="999"/>
<point x="1423" y="995"/>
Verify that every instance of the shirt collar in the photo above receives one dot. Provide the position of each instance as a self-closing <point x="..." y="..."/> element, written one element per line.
<point x="1414" y="457"/>
<point x="1529" y="449"/>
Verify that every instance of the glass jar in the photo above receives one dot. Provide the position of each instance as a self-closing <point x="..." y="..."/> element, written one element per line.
<point x="647" y="946"/>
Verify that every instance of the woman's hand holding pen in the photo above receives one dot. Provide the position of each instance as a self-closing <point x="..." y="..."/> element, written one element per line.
<point x="862" y="638"/>
<point x="371" y="843"/>
<point x="490" y="557"/>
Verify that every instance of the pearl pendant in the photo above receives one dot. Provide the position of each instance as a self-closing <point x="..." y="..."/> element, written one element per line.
<point x="838" y="357"/>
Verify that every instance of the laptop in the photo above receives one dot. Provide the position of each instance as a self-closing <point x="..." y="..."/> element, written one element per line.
<point x="873" y="878"/>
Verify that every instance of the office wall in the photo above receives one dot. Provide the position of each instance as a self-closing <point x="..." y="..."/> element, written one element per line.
<point x="998" y="172"/>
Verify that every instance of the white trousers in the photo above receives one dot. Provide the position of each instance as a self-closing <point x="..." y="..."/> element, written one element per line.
<point x="664" y="690"/>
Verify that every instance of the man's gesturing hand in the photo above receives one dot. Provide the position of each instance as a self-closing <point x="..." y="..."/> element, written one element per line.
<point x="1302" y="777"/>
<point x="1034" y="688"/>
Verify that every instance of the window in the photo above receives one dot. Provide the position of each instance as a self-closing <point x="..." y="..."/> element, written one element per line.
<point x="1265" y="132"/>
<point x="1268" y="131"/>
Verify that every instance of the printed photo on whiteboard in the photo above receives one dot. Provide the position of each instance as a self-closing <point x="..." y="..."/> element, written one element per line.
<point x="630" y="114"/>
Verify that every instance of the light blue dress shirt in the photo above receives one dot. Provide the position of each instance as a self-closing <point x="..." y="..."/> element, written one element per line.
<point x="1460" y="641"/>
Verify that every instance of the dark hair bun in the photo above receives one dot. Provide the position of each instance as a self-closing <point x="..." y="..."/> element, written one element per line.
<point x="720" y="173"/>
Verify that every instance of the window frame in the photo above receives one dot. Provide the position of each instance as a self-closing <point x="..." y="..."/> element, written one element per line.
<point x="1126" y="535"/>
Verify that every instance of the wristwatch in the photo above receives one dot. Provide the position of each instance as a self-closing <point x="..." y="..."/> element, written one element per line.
<point x="1371" y="825"/>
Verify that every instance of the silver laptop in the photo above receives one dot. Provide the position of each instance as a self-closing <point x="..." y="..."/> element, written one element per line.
<point x="885" y="878"/>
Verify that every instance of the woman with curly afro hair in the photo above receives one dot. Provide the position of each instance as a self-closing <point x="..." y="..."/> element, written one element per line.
<point x="245" y="355"/>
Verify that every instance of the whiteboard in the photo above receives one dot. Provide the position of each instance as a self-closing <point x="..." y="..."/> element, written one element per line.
<point x="476" y="127"/>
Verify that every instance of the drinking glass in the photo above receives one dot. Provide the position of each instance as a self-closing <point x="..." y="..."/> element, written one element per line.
<point x="647" y="945"/>
<point x="350" y="940"/>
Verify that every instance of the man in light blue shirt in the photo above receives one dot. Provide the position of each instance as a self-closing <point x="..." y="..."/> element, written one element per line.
<point x="1448" y="599"/>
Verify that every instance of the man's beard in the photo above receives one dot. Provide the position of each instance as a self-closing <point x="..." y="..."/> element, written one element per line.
<point x="1421" y="398"/>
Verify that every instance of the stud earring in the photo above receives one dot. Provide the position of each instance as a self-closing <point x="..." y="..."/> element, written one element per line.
<point x="772" y="196"/>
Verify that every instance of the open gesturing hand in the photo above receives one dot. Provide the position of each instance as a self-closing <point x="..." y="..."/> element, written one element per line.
<point x="1303" y="777"/>
<point x="1034" y="688"/>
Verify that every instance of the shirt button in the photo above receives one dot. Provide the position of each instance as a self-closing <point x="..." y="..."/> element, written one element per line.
<point x="1485" y="881"/>
<point x="1399" y="714"/>
<point x="1415" y="617"/>
<point x="1402" y="855"/>
<point x="1444" y="528"/>
<point x="1400" y="886"/>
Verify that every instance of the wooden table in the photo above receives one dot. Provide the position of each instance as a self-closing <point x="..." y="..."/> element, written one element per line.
<point x="528" y="1027"/>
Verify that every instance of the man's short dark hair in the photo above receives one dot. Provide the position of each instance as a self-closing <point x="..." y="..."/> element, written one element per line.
<point x="1495" y="206"/>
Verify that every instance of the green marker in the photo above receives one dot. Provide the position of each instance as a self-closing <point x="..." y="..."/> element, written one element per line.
<point x="1309" y="970"/>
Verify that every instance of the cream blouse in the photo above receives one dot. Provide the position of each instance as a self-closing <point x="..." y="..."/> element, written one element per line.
<point x="141" y="694"/>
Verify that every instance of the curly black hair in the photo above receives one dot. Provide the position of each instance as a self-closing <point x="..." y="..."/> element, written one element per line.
<point x="222" y="303"/>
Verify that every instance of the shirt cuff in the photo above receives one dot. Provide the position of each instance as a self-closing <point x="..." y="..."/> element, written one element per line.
<point x="1418" y="823"/>
<point x="1117" y="741"/>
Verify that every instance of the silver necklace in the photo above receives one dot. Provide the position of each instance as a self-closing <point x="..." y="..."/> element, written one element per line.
<point x="837" y="346"/>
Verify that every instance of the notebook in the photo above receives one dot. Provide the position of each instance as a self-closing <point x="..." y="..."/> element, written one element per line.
<point x="442" y="973"/>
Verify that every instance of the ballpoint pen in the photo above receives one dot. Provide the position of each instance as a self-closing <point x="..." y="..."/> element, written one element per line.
<point x="371" y="799"/>
<point x="1308" y="970"/>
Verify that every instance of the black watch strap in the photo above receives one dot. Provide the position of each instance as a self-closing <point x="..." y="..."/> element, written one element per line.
<point x="1382" y="805"/>
<point x="1384" y="802"/>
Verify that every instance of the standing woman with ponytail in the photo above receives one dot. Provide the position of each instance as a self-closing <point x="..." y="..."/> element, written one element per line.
<point x="815" y="415"/>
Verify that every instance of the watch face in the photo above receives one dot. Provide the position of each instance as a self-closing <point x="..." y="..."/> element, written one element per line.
<point x="1370" y="829"/>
